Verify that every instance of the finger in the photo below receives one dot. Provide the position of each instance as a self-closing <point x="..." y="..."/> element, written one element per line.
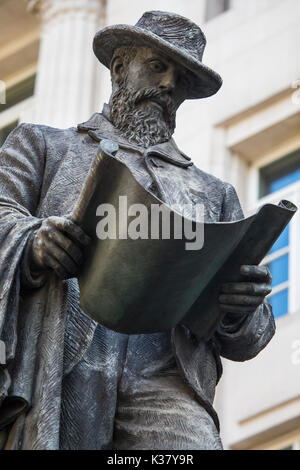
<point x="246" y="288"/>
<point x="66" y="244"/>
<point x="74" y="231"/>
<point x="256" y="272"/>
<point x="235" y="299"/>
<point x="63" y="259"/>
<point x="237" y="308"/>
<point x="53" y="264"/>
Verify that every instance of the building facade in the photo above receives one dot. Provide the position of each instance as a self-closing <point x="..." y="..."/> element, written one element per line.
<point x="248" y="134"/>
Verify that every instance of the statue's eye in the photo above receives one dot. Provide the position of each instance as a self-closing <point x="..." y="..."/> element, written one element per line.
<point x="157" y="66"/>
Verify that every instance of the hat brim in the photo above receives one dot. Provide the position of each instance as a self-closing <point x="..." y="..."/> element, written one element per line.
<point x="206" y="81"/>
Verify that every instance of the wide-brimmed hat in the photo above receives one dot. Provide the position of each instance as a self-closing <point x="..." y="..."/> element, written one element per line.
<point x="172" y="35"/>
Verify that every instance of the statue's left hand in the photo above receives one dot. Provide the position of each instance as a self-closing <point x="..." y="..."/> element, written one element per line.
<point x="244" y="297"/>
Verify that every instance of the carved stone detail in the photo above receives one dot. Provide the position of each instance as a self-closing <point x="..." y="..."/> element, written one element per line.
<point x="50" y="9"/>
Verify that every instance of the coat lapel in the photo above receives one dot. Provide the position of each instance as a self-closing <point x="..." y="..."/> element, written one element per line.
<point x="99" y="127"/>
<point x="171" y="170"/>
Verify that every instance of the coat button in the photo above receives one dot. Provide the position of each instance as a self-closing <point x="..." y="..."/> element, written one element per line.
<point x="194" y="199"/>
<point x="152" y="188"/>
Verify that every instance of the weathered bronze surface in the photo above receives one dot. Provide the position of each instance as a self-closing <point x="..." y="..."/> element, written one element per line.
<point x="160" y="283"/>
<point x="70" y="382"/>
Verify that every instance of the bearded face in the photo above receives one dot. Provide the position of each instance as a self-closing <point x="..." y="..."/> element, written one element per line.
<point x="145" y="117"/>
<point x="144" y="101"/>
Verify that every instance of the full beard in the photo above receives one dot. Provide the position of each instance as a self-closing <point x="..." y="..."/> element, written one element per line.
<point x="139" y="119"/>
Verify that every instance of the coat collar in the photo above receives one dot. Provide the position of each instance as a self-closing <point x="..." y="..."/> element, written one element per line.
<point x="100" y="127"/>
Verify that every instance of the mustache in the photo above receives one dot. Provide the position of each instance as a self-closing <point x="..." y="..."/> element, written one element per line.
<point x="161" y="97"/>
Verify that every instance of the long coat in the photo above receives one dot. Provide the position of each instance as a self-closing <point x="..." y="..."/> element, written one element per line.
<point x="42" y="170"/>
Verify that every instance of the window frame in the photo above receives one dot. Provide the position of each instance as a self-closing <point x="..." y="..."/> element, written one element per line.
<point x="278" y="167"/>
<point x="290" y="439"/>
<point x="18" y="92"/>
<point x="20" y="100"/>
<point x="15" y="113"/>
<point x="292" y="193"/>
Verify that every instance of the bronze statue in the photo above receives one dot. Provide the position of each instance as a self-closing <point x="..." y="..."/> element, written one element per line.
<point x="69" y="382"/>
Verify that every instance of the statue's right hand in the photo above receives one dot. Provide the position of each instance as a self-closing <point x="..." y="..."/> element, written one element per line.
<point x="57" y="245"/>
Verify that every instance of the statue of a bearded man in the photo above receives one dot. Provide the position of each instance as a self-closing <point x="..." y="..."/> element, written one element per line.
<point x="69" y="382"/>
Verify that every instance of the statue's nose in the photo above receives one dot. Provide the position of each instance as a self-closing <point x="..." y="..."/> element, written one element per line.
<point x="167" y="82"/>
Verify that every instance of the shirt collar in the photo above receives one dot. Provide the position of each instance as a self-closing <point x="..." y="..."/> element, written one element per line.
<point x="100" y="127"/>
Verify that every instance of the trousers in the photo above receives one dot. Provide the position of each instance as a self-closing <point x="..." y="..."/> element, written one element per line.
<point x="127" y="394"/>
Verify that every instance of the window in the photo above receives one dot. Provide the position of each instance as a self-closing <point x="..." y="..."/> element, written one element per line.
<point x="18" y="92"/>
<point x="278" y="179"/>
<point x="18" y="99"/>
<point x="215" y="8"/>
<point x="280" y="174"/>
<point x="6" y="130"/>
<point x="289" y="441"/>
<point x="278" y="262"/>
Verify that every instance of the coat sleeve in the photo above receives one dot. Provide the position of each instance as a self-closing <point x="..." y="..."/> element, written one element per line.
<point x="22" y="160"/>
<point x="242" y="338"/>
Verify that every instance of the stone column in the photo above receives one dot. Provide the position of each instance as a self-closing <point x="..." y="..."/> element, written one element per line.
<point x="69" y="76"/>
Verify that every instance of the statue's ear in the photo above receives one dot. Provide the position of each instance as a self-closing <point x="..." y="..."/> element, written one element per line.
<point x="116" y="67"/>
